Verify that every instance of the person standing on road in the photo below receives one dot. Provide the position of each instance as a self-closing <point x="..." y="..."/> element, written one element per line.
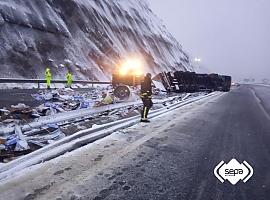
<point x="69" y="79"/>
<point x="146" y="95"/>
<point x="48" y="77"/>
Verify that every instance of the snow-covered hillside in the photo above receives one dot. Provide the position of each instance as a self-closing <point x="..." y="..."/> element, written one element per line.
<point x="94" y="35"/>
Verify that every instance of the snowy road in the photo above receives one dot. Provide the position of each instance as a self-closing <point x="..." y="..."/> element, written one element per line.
<point x="171" y="158"/>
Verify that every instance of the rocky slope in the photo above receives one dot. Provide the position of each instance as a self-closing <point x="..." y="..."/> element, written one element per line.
<point x="90" y="37"/>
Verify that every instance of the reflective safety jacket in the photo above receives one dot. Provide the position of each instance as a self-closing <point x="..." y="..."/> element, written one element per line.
<point x="48" y="74"/>
<point x="69" y="76"/>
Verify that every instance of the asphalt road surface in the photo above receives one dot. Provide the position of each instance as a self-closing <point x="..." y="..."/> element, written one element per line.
<point x="10" y="97"/>
<point x="14" y="96"/>
<point x="171" y="158"/>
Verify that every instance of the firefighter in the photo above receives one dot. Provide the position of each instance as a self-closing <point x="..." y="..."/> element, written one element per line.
<point x="146" y="95"/>
<point x="48" y="77"/>
<point x="69" y="79"/>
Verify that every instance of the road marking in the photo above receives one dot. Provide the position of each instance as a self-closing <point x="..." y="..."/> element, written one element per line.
<point x="258" y="100"/>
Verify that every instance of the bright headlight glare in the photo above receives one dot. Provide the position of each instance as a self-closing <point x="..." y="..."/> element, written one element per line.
<point x="132" y="66"/>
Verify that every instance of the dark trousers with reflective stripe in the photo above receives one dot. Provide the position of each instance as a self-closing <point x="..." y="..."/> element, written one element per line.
<point x="147" y="104"/>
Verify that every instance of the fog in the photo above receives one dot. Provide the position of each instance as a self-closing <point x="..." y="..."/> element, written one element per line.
<point x="230" y="36"/>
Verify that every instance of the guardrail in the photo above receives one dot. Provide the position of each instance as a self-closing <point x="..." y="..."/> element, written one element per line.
<point x="39" y="81"/>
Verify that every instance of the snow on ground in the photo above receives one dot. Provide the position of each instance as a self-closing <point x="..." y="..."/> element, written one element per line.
<point x="262" y="84"/>
<point x="62" y="177"/>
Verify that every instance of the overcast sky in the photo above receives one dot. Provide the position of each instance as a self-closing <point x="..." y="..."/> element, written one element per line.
<point x="230" y="36"/>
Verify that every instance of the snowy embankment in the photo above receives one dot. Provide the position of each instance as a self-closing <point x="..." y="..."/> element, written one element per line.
<point x="90" y="38"/>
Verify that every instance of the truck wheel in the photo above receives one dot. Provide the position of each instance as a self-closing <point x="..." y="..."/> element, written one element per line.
<point x="122" y="92"/>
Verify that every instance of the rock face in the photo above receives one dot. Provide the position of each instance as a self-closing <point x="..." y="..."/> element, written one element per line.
<point x="90" y="37"/>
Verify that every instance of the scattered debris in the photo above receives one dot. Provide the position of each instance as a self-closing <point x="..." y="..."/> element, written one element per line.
<point x="56" y="101"/>
<point x="17" y="112"/>
<point x="11" y="140"/>
<point x="20" y="107"/>
<point x="107" y="99"/>
<point x="2" y="147"/>
<point x="4" y="111"/>
<point x="19" y="143"/>
<point x="2" y="141"/>
<point x="65" y="100"/>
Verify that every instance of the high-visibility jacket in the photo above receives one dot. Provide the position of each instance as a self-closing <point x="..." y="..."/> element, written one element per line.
<point x="48" y="77"/>
<point x="48" y="74"/>
<point x="69" y="79"/>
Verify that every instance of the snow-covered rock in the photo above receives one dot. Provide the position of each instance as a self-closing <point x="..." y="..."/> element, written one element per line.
<point x="92" y="35"/>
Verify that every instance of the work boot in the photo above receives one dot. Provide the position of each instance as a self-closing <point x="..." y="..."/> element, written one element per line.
<point x="145" y="121"/>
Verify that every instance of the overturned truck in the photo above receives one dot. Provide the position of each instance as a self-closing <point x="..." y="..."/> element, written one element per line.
<point x="180" y="82"/>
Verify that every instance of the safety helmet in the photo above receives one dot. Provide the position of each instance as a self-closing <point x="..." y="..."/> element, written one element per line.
<point x="148" y="75"/>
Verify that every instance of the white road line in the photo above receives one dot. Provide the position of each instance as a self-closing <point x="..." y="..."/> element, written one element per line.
<point x="258" y="100"/>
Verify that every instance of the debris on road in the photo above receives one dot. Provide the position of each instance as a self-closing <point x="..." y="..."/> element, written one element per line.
<point x="2" y="140"/>
<point x="54" y="102"/>
<point x="18" y="144"/>
<point x="60" y="101"/>
<point x="4" y="111"/>
<point x="20" y="112"/>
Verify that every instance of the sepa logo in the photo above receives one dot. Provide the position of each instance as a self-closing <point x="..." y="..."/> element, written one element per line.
<point x="233" y="171"/>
